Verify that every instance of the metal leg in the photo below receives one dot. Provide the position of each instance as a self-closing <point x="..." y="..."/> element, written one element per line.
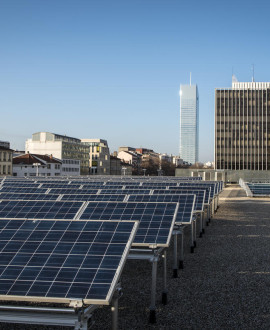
<point x="201" y="225"/>
<point x="195" y="232"/>
<point x="152" y="316"/>
<point x="175" y="256"/>
<point x="181" y="258"/>
<point x="114" y="310"/>
<point x="191" y="237"/>
<point x="165" y="291"/>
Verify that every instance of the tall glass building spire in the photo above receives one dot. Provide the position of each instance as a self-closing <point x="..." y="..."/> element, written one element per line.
<point x="189" y="123"/>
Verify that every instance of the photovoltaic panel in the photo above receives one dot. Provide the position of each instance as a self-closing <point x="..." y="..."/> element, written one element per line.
<point x="260" y="189"/>
<point x="59" y="261"/>
<point x="39" y="209"/>
<point x="67" y="191"/>
<point x="195" y="186"/>
<point x="24" y="190"/>
<point x="168" y="197"/>
<point x="60" y="185"/>
<point x="156" y="219"/>
<point x="26" y="196"/>
<point x="21" y="184"/>
<point x="180" y="190"/>
<point x="186" y="204"/>
<point x="125" y="191"/>
<point x="93" y="197"/>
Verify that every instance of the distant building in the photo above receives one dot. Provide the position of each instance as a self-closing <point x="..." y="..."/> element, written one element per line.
<point x="189" y="123"/>
<point x="36" y="165"/>
<point x="242" y="126"/>
<point x="5" y="158"/>
<point x="126" y="149"/>
<point x="99" y="156"/>
<point x="177" y="161"/>
<point x="115" y="166"/>
<point x="165" y="157"/>
<point x="71" y="150"/>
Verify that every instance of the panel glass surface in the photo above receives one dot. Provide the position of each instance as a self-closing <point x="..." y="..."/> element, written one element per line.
<point x="39" y="209"/>
<point x="156" y="219"/>
<point x="46" y="259"/>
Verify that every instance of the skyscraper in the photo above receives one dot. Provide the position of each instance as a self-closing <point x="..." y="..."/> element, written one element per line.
<point x="242" y="126"/>
<point x="189" y="123"/>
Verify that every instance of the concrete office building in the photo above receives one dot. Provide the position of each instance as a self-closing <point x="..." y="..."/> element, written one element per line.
<point x="189" y="123"/>
<point x="73" y="153"/>
<point x="99" y="156"/>
<point x="242" y="126"/>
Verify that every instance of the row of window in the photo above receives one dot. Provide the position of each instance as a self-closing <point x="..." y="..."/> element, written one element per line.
<point x="5" y="169"/>
<point x="70" y="169"/>
<point x="5" y="156"/>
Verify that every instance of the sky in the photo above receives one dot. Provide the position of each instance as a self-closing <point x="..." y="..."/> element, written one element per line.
<point x="112" y="69"/>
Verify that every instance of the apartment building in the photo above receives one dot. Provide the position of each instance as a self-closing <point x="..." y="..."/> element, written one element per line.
<point x="99" y="156"/>
<point x="5" y="158"/>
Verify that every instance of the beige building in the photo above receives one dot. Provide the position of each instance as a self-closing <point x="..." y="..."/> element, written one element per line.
<point x="99" y="156"/>
<point x="5" y="159"/>
<point x="73" y="153"/>
<point x="242" y="126"/>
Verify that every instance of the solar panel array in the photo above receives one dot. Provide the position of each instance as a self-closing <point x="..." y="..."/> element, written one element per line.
<point x="65" y="239"/>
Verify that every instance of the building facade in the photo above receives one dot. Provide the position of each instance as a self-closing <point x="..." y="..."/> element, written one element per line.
<point x="99" y="156"/>
<point x="189" y="123"/>
<point x="5" y="158"/>
<point x="36" y="165"/>
<point x="242" y="126"/>
<point x="62" y="147"/>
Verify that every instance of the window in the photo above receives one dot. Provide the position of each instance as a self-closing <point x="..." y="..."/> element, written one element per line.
<point x="48" y="166"/>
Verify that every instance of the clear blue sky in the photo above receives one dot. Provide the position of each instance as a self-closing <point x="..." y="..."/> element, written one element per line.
<point x="112" y="69"/>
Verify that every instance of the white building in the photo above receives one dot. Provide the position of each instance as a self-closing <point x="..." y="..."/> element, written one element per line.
<point x="72" y="151"/>
<point x="36" y="165"/>
<point x="189" y="123"/>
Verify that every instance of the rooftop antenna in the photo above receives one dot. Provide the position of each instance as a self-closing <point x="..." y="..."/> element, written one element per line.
<point x="190" y="78"/>
<point x="253" y="73"/>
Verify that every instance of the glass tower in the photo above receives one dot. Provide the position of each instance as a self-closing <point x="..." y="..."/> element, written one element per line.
<point x="189" y="123"/>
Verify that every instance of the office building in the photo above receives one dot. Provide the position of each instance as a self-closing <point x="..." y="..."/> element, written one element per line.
<point x="242" y="126"/>
<point x="73" y="153"/>
<point x="189" y="123"/>
<point x="99" y="156"/>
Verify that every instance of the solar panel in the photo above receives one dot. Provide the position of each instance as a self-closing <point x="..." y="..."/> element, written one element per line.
<point x="92" y="197"/>
<point x="207" y="190"/>
<point x="60" y="185"/>
<point x="27" y="196"/>
<point x="125" y="191"/>
<point x="67" y="191"/>
<point x="156" y="219"/>
<point x="262" y="189"/>
<point x="28" y="190"/>
<point x="59" y="261"/>
<point x="39" y="209"/>
<point x="186" y="204"/>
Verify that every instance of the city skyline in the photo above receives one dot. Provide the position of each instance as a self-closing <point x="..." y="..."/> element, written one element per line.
<point x="112" y="70"/>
